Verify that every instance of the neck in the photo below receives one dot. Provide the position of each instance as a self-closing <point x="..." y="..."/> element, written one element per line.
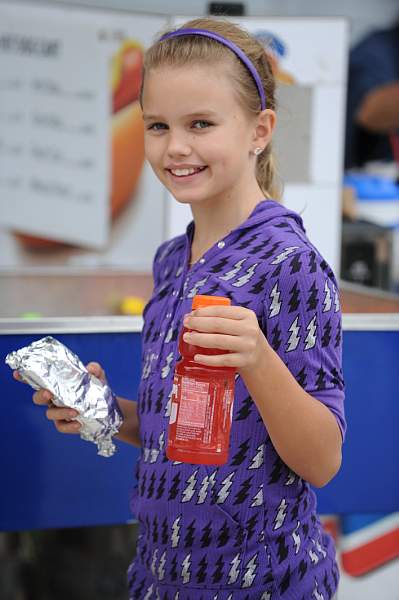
<point x="215" y="220"/>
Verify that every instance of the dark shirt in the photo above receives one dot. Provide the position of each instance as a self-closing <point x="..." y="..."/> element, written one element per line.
<point x="374" y="62"/>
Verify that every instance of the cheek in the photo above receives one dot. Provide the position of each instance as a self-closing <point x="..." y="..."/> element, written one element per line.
<point x="152" y="151"/>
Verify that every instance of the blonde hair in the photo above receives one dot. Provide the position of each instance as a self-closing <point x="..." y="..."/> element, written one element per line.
<point x="184" y="50"/>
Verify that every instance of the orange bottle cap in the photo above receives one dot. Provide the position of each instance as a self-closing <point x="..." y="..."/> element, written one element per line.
<point x="201" y="301"/>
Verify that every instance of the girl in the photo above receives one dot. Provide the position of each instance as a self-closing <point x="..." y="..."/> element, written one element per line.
<point x="247" y="530"/>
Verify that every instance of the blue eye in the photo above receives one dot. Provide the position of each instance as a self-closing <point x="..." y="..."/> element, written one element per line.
<point x="157" y="126"/>
<point x="201" y="124"/>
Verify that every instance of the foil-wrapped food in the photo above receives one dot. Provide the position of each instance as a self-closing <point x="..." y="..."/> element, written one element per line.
<point x="49" y="364"/>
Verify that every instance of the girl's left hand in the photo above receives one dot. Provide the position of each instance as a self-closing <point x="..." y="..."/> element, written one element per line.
<point x="231" y="328"/>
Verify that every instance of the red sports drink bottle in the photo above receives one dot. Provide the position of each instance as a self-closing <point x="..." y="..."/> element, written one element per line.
<point x="201" y="403"/>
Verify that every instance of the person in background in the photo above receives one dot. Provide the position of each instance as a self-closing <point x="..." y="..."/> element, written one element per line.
<point x="372" y="122"/>
<point x="246" y="530"/>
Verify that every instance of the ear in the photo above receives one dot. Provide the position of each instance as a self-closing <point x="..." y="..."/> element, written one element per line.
<point x="264" y="127"/>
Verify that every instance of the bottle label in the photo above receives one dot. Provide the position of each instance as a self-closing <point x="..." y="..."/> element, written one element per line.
<point x="200" y="412"/>
<point x="196" y="409"/>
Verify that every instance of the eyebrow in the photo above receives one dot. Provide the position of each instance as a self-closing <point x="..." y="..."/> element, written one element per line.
<point x="198" y="113"/>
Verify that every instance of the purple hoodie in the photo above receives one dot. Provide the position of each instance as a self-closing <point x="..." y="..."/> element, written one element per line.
<point x="247" y="530"/>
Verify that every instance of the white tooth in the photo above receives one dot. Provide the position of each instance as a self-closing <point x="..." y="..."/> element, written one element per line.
<point x="181" y="172"/>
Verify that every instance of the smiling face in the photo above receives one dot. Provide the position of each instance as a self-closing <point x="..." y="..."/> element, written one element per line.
<point x="198" y="138"/>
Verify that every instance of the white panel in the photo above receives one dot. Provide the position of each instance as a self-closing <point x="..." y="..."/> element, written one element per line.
<point x="320" y="208"/>
<point x="327" y="134"/>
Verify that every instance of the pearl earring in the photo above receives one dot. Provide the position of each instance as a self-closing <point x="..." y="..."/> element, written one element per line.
<point x="257" y="151"/>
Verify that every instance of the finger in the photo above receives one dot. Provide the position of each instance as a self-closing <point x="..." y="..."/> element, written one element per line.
<point x="228" y="312"/>
<point x="214" y="340"/>
<point x="61" y="414"/>
<point x="214" y="325"/>
<point x="42" y="397"/>
<point x="96" y="369"/>
<point x="67" y="426"/>
<point x="17" y="376"/>
<point x="219" y="360"/>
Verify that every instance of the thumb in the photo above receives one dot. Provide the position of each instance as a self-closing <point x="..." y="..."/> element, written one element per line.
<point x="96" y="369"/>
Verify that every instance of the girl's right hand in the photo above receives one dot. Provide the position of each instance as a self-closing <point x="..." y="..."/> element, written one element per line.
<point x="63" y="418"/>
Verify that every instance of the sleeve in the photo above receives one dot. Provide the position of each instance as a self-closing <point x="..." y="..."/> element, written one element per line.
<point x="372" y="63"/>
<point x="303" y="324"/>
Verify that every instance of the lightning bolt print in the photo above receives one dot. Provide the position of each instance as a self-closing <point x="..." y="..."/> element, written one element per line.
<point x="233" y="272"/>
<point x="224" y="535"/>
<point x="243" y="492"/>
<point x="310" y="340"/>
<point x="245" y="409"/>
<point x="224" y="491"/>
<point x="189" y="539"/>
<point x="176" y="532"/>
<point x="174" y="489"/>
<point x="234" y="569"/>
<point x="169" y="404"/>
<point x="327" y="303"/>
<point x="149" y="592"/>
<point x="201" y="573"/>
<point x="295" y="264"/>
<point x="258" y="459"/>
<point x="284" y="255"/>
<point x="185" y="572"/>
<point x="313" y="556"/>
<point x="166" y="368"/>
<point x="296" y="538"/>
<point x="337" y="305"/>
<point x="154" y="561"/>
<point x="259" y="285"/>
<point x="276" y="340"/>
<point x="316" y="594"/>
<point x="326" y="337"/>
<point x="320" y="549"/>
<point x="294" y="298"/>
<point x="250" y="572"/>
<point x="197" y="286"/>
<point x="257" y="500"/>
<point x="294" y="338"/>
<point x="161" y="566"/>
<point x="172" y="334"/>
<point x="312" y="300"/>
<point x="247" y="277"/>
<point x="150" y="357"/>
<point x="241" y="454"/>
<point x="281" y="514"/>
<point x="217" y="575"/>
<point x="190" y="489"/>
<point x="275" y="305"/>
<point x="207" y="483"/>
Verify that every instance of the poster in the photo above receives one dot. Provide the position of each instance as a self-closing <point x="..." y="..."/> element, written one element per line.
<point x="74" y="186"/>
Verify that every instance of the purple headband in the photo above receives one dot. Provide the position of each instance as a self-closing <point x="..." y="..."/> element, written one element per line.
<point x="237" y="51"/>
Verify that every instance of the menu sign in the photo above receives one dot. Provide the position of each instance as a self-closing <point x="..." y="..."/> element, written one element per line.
<point x="54" y="121"/>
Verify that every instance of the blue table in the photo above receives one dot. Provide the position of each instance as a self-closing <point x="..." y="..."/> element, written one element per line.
<point x="51" y="480"/>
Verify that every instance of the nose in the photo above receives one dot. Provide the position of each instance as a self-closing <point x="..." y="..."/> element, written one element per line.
<point x="178" y="144"/>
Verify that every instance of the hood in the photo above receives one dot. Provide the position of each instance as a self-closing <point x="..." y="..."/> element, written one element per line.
<point x="269" y="210"/>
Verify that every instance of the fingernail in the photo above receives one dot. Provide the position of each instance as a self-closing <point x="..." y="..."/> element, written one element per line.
<point x="72" y="414"/>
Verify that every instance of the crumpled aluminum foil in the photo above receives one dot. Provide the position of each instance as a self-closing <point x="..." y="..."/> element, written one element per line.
<point x="48" y="364"/>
